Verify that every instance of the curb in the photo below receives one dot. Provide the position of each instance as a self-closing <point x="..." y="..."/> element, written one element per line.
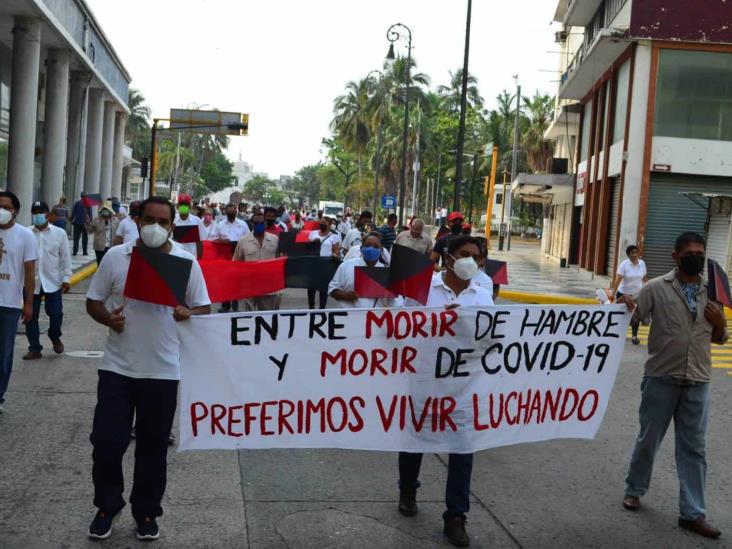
<point x="82" y="274"/>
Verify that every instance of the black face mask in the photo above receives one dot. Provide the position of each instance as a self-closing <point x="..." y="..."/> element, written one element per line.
<point x="456" y="229"/>
<point x="231" y="217"/>
<point x="692" y="265"/>
<point x="324" y="227"/>
<point x="269" y="222"/>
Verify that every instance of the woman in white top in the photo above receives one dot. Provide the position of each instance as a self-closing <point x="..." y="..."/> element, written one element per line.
<point x="629" y="280"/>
<point x="343" y="286"/>
<point x="206" y="229"/>
<point x="330" y="244"/>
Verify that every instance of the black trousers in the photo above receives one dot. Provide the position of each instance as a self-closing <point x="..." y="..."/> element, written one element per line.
<point x="80" y="233"/>
<point x="119" y="399"/>
<point x="322" y="296"/>
<point x="100" y="255"/>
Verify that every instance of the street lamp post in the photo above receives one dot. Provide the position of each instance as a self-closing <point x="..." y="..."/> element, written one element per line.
<point x="396" y="32"/>
<point x="463" y="109"/>
<point x="379" y="134"/>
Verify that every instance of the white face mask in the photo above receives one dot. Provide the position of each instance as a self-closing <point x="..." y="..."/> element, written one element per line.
<point x="154" y="236"/>
<point x="5" y="216"/>
<point x="465" y="268"/>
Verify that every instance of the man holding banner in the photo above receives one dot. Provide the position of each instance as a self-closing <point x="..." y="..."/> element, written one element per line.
<point x="256" y="246"/>
<point x="450" y="288"/>
<point x="141" y="367"/>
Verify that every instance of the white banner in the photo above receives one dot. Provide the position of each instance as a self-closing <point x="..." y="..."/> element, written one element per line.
<point x="417" y="380"/>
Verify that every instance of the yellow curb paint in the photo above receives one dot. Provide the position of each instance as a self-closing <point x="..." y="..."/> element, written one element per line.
<point x="83" y="274"/>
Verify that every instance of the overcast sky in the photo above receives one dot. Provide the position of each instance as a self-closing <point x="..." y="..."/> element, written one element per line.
<point x="284" y="61"/>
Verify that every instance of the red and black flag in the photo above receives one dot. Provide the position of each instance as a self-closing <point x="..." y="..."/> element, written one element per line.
<point x="312" y="225"/>
<point x="310" y="272"/>
<point x="214" y="250"/>
<point x="497" y="270"/>
<point x="233" y="280"/>
<point x="90" y="200"/>
<point x="718" y="284"/>
<point x="157" y="277"/>
<point x="409" y="274"/>
<point x="185" y="234"/>
<point x="297" y="244"/>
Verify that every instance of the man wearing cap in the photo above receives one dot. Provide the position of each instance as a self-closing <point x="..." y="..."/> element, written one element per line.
<point x="185" y="218"/>
<point x="104" y="228"/>
<point x="127" y="230"/>
<point x="455" y="223"/>
<point x="52" y="275"/>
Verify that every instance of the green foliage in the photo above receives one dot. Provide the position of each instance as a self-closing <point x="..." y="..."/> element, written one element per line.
<point x="258" y="188"/>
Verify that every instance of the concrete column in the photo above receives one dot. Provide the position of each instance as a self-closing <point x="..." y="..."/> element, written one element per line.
<point x="119" y="144"/>
<point x="94" y="129"/>
<point x="75" y="152"/>
<point x="54" y="129"/>
<point x="23" y="111"/>
<point x="105" y="185"/>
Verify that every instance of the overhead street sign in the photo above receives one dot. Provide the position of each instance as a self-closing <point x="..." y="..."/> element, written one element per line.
<point x="216" y="122"/>
<point x="388" y="202"/>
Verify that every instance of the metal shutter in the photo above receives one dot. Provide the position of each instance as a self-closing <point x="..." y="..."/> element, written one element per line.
<point x="670" y="213"/>
<point x="612" y="226"/>
<point x="718" y="238"/>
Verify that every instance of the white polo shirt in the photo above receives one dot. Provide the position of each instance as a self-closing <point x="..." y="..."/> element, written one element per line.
<point x="190" y="247"/>
<point x="472" y="296"/>
<point x="345" y="279"/>
<point x="231" y="231"/>
<point x="128" y="230"/>
<point x="148" y="348"/>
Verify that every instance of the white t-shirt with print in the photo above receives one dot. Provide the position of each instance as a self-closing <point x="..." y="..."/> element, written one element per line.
<point x="148" y="347"/>
<point x="633" y="275"/>
<point x="17" y="246"/>
<point x="326" y="242"/>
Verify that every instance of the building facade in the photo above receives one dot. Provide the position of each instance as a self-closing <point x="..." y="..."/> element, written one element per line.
<point x="650" y="86"/>
<point x="63" y="103"/>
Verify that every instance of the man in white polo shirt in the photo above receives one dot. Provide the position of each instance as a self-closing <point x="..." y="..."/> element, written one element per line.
<point x="185" y="219"/>
<point x="127" y="229"/>
<point x="138" y="376"/>
<point x="453" y="287"/>
<point x="231" y="229"/>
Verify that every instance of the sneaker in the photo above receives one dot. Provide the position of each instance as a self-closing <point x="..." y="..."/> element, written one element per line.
<point x="101" y="526"/>
<point x="408" y="501"/>
<point x="32" y="355"/>
<point x="147" y="528"/>
<point x="58" y="346"/>
<point x="455" y="531"/>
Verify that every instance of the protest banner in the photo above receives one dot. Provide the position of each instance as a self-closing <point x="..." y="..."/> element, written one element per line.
<point x="412" y="379"/>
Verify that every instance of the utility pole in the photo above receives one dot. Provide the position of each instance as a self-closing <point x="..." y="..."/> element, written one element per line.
<point x="489" y="192"/>
<point x="514" y="156"/>
<point x="471" y="188"/>
<point x="463" y="109"/>
<point x="502" y="226"/>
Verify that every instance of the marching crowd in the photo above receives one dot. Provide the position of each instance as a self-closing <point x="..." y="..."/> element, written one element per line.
<point x="138" y="377"/>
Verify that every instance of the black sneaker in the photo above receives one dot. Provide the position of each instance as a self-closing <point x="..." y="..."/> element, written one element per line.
<point x="101" y="526"/>
<point x="455" y="531"/>
<point x="408" y="501"/>
<point x="147" y="528"/>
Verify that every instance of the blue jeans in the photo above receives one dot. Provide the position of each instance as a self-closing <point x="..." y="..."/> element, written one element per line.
<point x="688" y="405"/>
<point x="457" y="490"/>
<point x="8" y="327"/>
<point x="54" y="310"/>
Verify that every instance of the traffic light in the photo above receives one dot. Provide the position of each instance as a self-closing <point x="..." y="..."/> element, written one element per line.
<point x="143" y="168"/>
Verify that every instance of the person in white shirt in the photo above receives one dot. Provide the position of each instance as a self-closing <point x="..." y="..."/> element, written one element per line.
<point x="138" y="376"/>
<point x="53" y="272"/>
<point x="344" y="225"/>
<point x="18" y="255"/>
<point x="330" y="244"/>
<point x="184" y="219"/>
<point x="230" y="230"/>
<point x="127" y="229"/>
<point x="342" y="287"/>
<point x="208" y="228"/>
<point x="450" y="288"/>
<point x="629" y="280"/>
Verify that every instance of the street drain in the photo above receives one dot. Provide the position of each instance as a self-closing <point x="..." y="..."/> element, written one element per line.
<point x="85" y="354"/>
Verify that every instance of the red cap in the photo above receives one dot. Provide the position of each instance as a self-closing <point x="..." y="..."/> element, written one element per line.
<point x="455" y="215"/>
<point x="467" y="226"/>
<point x="183" y="198"/>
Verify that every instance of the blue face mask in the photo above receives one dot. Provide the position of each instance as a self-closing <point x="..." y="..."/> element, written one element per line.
<point x="259" y="228"/>
<point x="370" y="254"/>
<point x="39" y="219"/>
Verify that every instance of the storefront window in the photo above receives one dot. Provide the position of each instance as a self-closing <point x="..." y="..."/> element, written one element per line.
<point x="694" y="95"/>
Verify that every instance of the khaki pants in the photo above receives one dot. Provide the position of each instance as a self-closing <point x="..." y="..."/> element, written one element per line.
<point x="264" y="303"/>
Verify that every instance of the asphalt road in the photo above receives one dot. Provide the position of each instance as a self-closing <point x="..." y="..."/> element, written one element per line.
<point x="556" y="494"/>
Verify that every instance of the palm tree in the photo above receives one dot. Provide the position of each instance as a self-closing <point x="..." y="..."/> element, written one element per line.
<point x="539" y="110"/>
<point x="139" y="119"/>
<point x="453" y="92"/>
<point x="352" y="118"/>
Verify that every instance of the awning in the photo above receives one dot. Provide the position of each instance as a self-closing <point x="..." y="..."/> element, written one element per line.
<point x="704" y="200"/>
<point x="591" y="63"/>
<point x="546" y="188"/>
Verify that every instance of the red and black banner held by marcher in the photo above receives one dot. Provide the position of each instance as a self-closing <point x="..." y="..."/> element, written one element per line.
<point x="497" y="270"/>
<point x="233" y="280"/>
<point x="409" y="274"/>
<point x="186" y="234"/>
<point x="157" y="277"/>
<point x="90" y="200"/>
<point x="718" y="284"/>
